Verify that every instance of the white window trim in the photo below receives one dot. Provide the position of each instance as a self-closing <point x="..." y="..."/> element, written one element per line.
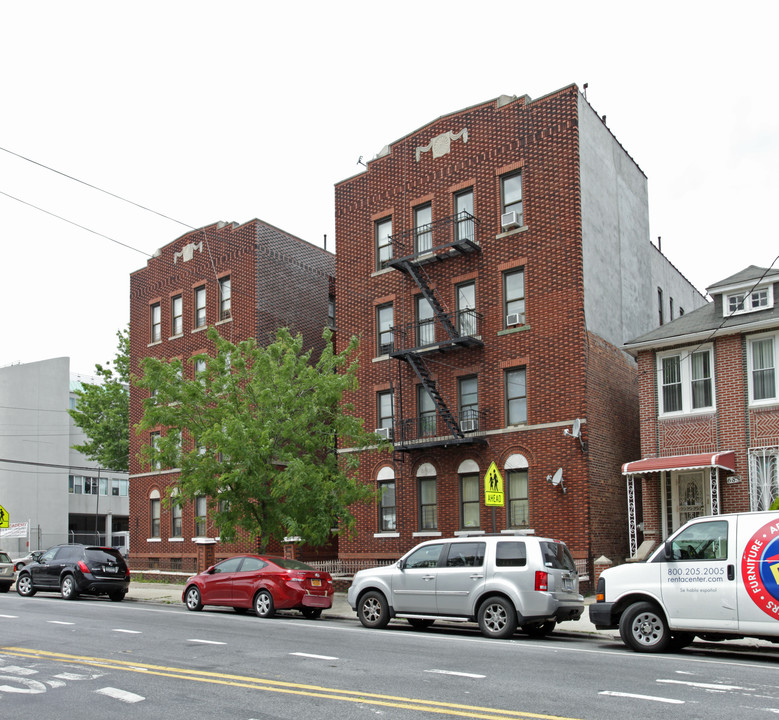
<point x="685" y="368"/>
<point x="747" y="293"/>
<point x="767" y="401"/>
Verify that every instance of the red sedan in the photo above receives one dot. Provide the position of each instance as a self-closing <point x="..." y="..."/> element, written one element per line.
<point x="264" y="584"/>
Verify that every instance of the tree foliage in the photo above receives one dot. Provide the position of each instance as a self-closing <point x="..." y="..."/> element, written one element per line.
<point x="255" y="431"/>
<point x="103" y="411"/>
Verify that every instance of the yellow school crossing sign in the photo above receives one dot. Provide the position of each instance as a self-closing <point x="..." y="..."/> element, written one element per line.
<point x="3" y="517"/>
<point x="493" y="487"/>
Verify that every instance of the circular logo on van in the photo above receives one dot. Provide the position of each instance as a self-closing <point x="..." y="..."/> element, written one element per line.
<point x="760" y="568"/>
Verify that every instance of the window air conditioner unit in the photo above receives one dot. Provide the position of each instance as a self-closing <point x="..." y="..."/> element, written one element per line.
<point x="384" y="432"/>
<point x="513" y="319"/>
<point x="469" y="425"/>
<point x="510" y="220"/>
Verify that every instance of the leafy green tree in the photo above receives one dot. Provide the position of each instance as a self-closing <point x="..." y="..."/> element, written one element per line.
<point x="254" y="432"/>
<point x="103" y="411"/>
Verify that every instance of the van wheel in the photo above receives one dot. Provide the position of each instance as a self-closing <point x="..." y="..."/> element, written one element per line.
<point x="643" y="628"/>
<point x="372" y="610"/>
<point x="497" y="617"/>
<point x="539" y="630"/>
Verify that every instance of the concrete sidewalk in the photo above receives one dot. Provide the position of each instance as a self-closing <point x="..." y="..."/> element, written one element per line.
<point x="170" y="594"/>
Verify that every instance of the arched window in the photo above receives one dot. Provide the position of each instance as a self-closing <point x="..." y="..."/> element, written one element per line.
<point x="385" y="481"/>
<point x="154" y="513"/>
<point x="470" y="495"/>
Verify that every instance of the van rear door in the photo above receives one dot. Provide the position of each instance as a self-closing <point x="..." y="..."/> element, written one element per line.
<point x="698" y="581"/>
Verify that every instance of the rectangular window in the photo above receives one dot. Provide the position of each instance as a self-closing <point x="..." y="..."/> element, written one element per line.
<point x="384" y="322"/>
<point x="514" y="298"/>
<point x="330" y="311"/>
<point x="466" y="309"/>
<point x="425" y="321"/>
<point x="670" y="308"/>
<point x="464" y="220"/>
<point x="518" y="499"/>
<point x="468" y="396"/>
<point x="383" y="233"/>
<point x="763" y="477"/>
<point x="469" y="494"/>
<point x="423" y="229"/>
<point x="384" y="410"/>
<point x="428" y="509"/>
<point x="156" y="323"/>
<point x="511" y="196"/>
<point x="200" y="370"/>
<point x="200" y="306"/>
<point x="176" y="315"/>
<point x="154" y="441"/>
<point x="660" y="306"/>
<point x="686" y="382"/>
<point x="516" y="396"/>
<point x="224" y="299"/>
<point x="119" y="487"/>
<point x="154" y="507"/>
<point x="426" y="413"/>
<point x="762" y="369"/>
<point x="387" y="506"/>
<point x="175" y="520"/>
<point x="200" y="516"/>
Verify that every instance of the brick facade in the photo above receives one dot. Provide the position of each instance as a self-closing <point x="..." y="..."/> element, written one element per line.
<point x="570" y="372"/>
<point x="277" y="280"/>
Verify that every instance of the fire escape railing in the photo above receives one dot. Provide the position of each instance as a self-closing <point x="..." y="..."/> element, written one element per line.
<point x="457" y="234"/>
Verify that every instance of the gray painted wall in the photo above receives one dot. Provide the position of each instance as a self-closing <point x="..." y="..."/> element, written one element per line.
<point x="622" y="268"/>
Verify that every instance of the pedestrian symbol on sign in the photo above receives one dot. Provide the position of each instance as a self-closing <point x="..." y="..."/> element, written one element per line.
<point x="493" y="487"/>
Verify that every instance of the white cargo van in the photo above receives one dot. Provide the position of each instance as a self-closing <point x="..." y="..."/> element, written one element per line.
<point x="717" y="577"/>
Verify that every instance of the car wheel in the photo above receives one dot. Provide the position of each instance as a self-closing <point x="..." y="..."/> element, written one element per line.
<point x="497" y="617"/>
<point x="192" y="599"/>
<point x="24" y="586"/>
<point x="116" y="596"/>
<point x="420" y="623"/>
<point x="68" y="587"/>
<point x="263" y="604"/>
<point x="372" y="610"/>
<point x="311" y="613"/>
<point x="540" y="629"/>
<point x="643" y="628"/>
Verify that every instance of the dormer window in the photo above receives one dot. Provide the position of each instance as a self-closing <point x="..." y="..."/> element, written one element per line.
<point x="745" y="301"/>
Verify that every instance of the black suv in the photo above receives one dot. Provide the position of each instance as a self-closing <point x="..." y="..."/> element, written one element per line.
<point x="75" y="569"/>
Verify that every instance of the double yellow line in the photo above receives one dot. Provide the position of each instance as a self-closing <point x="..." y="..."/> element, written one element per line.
<point x="278" y="686"/>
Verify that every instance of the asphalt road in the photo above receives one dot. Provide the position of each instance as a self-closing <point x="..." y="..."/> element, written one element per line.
<point x="95" y="659"/>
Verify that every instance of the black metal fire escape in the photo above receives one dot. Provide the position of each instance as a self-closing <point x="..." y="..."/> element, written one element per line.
<point x="444" y="239"/>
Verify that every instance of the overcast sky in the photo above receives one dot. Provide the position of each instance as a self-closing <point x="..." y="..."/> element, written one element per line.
<point x="236" y="110"/>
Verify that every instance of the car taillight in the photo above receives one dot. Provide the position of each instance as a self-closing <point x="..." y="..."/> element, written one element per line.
<point x="542" y="580"/>
<point x="83" y="567"/>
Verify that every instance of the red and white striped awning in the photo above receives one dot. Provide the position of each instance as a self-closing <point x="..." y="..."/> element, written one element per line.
<point x="724" y="460"/>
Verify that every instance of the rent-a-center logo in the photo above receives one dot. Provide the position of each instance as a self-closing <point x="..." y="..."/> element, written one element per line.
<point x="760" y="568"/>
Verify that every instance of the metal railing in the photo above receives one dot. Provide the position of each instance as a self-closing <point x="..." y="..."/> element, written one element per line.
<point x="457" y="231"/>
<point x="430" y="332"/>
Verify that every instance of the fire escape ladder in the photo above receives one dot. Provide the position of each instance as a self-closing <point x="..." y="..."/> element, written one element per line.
<point x="429" y="384"/>
<point x="430" y="296"/>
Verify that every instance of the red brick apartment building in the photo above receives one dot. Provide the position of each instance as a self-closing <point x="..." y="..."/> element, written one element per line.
<point x="247" y="281"/>
<point x="494" y="261"/>
<point x="708" y="389"/>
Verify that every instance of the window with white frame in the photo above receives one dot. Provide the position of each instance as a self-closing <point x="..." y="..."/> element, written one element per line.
<point x="468" y="397"/>
<point x="428" y="505"/>
<point x="518" y="500"/>
<point x="763" y="477"/>
<point x="423" y="228"/>
<point x="425" y="321"/>
<point x="469" y="498"/>
<point x="201" y="508"/>
<point x="511" y="196"/>
<point x="383" y="231"/>
<point x="176" y="315"/>
<point x="746" y="301"/>
<point x="156" y="323"/>
<point x="516" y="396"/>
<point x="200" y="306"/>
<point x="154" y="513"/>
<point x="175" y="520"/>
<point x="225" y="296"/>
<point x="384" y="409"/>
<point x="686" y="381"/>
<point x="762" y="369"/>
<point x="426" y="413"/>
<point x="384" y="321"/>
<point x="387" y="512"/>
<point x="466" y="309"/>
<point x="463" y="209"/>
<point x="514" y="298"/>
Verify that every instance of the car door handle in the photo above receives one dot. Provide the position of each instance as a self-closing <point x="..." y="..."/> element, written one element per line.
<point x="731" y="572"/>
<point x="477" y="576"/>
<point x="428" y="577"/>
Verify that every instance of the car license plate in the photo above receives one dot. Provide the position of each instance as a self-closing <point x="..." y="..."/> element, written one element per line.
<point x="567" y="584"/>
<point x="111" y="569"/>
<point x="316" y="583"/>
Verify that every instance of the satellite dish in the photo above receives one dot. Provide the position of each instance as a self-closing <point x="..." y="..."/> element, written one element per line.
<point x="557" y="480"/>
<point x="575" y="431"/>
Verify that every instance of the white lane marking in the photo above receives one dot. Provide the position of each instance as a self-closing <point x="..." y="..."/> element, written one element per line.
<point x="16" y="670"/>
<point x="59" y="622"/>
<point x="704" y="686"/>
<point x="633" y="696"/>
<point x="457" y="674"/>
<point x="122" y="695"/>
<point x="11" y="617"/>
<point x="29" y="686"/>
<point x="206" y="642"/>
<point x="315" y="657"/>
<point x="56" y="683"/>
<point x="130" y="632"/>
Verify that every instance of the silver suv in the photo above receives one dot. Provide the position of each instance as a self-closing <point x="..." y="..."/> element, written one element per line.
<point x="500" y="581"/>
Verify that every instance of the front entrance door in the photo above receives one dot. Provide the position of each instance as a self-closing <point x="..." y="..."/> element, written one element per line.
<point x="690" y="498"/>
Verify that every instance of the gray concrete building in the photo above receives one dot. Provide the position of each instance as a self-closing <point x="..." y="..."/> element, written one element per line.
<point x="59" y="494"/>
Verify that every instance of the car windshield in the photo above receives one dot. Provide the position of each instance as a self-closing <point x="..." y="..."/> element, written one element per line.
<point x="289" y="564"/>
<point x="4" y="557"/>
<point x="557" y="555"/>
<point x="103" y="555"/>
